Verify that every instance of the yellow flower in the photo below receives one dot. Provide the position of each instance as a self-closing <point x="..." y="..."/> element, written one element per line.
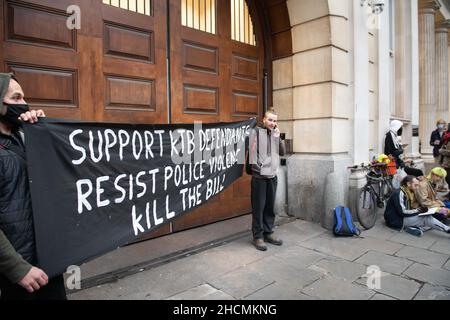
<point x="384" y="158"/>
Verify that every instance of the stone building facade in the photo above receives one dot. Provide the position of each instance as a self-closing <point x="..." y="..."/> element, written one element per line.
<point x="352" y="70"/>
<point x="337" y="71"/>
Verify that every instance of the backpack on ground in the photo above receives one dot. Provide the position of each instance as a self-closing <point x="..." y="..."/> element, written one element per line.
<point x="343" y="223"/>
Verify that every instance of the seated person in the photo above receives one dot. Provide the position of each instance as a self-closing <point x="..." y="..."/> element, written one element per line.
<point x="400" y="213"/>
<point x="440" y="185"/>
<point x="426" y="194"/>
<point x="442" y="190"/>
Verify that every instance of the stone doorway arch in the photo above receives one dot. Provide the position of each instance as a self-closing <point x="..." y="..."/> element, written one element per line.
<point x="312" y="93"/>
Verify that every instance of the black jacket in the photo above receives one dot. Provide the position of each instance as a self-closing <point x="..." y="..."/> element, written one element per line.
<point x="16" y="219"/>
<point x="390" y="149"/>
<point x="399" y="206"/>
<point x="435" y="135"/>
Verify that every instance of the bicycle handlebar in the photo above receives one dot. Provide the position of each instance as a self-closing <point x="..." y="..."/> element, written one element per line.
<point x="382" y="164"/>
<point x="368" y="166"/>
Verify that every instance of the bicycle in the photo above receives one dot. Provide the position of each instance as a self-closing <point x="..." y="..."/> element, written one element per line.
<point x="373" y="195"/>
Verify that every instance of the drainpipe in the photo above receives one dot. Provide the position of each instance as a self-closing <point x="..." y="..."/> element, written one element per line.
<point x="266" y="90"/>
<point x="168" y="67"/>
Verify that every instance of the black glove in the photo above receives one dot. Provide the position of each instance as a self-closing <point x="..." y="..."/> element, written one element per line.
<point x="423" y="209"/>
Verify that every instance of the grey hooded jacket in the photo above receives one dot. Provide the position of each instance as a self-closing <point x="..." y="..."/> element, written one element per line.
<point x="265" y="151"/>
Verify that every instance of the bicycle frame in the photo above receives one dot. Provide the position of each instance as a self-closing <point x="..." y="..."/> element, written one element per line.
<point x="369" y="190"/>
<point x="376" y="190"/>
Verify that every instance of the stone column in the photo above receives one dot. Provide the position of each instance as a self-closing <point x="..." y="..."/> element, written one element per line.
<point x="427" y="82"/>
<point x="407" y="74"/>
<point x="402" y="59"/>
<point x="385" y="79"/>
<point x="415" y="108"/>
<point x="361" y="75"/>
<point x="403" y="69"/>
<point x="449" y="81"/>
<point x="442" y="71"/>
<point x="322" y="79"/>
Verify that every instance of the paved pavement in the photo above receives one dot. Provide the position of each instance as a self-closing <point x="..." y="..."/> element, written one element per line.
<point x="312" y="264"/>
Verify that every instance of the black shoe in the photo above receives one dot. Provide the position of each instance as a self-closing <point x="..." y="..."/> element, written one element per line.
<point x="270" y="239"/>
<point x="259" y="244"/>
<point x="414" y="231"/>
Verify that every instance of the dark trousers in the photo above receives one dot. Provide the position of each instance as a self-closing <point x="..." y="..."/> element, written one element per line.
<point x="54" y="290"/>
<point x="263" y="201"/>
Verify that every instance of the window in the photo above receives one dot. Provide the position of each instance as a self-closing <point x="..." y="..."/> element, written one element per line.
<point x="241" y="23"/>
<point x="139" y="6"/>
<point x="199" y="14"/>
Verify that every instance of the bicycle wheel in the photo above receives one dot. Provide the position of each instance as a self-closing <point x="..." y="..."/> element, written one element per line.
<point x="388" y="188"/>
<point x="366" y="210"/>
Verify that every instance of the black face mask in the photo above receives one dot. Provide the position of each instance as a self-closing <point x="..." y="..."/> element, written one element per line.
<point x="400" y="132"/>
<point x="13" y="112"/>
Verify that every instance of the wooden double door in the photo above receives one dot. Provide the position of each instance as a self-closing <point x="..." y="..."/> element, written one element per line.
<point x="130" y="67"/>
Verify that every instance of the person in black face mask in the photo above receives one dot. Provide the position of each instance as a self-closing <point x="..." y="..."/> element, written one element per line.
<point x="394" y="148"/>
<point x="20" y="279"/>
<point x="13" y="112"/>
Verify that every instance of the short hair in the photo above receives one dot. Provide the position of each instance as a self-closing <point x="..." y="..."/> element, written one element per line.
<point x="407" y="179"/>
<point x="441" y="121"/>
<point x="270" y="111"/>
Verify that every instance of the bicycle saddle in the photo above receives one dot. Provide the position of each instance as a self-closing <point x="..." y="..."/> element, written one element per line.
<point x="374" y="176"/>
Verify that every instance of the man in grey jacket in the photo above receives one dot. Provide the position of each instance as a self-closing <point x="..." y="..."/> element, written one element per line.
<point x="266" y="146"/>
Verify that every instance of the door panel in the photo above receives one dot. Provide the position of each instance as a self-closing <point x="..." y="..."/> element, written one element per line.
<point x="217" y="82"/>
<point x="88" y="73"/>
<point x="114" y="69"/>
<point x="44" y="54"/>
<point x="2" y="37"/>
<point x="133" y="61"/>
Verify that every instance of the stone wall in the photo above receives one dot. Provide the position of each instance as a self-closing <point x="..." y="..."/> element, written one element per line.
<point x="340" y="88"/>
<point x="314" y="100"/>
